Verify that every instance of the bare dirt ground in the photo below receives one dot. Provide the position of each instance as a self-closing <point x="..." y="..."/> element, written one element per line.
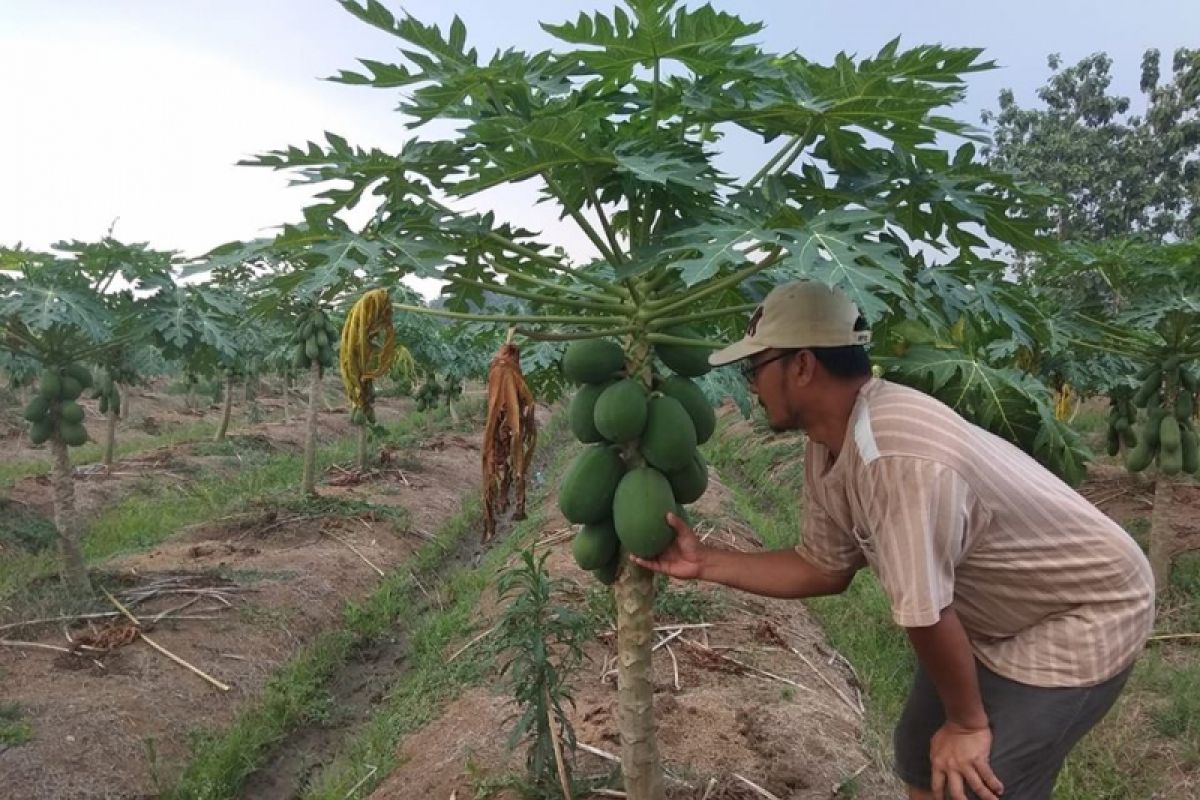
<point x="243" y="595"/>
<point x="752" y="695"/>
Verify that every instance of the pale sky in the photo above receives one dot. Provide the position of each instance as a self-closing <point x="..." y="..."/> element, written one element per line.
<point x="138" y="110"/>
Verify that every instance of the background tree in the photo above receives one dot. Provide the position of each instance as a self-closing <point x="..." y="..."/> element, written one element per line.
<point x="620" y="130"/>
<point x="1119" y="173"/>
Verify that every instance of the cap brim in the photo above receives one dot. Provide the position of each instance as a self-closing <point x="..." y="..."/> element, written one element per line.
<point x="735" y="352"/>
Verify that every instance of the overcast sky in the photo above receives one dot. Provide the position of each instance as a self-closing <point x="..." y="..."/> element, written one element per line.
<point x="137" y="110"/>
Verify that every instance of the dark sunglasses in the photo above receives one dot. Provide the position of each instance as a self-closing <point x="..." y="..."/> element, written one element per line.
<point x="750" y="369"/>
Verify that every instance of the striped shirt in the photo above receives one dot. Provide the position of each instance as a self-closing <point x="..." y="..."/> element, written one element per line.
<point x="1050" y="591"/>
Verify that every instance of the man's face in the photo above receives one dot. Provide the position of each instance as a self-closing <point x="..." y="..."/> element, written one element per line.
<point x="771" y="376"/>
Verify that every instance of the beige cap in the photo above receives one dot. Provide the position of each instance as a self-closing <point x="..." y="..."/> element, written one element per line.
<point x="794" y="315"/>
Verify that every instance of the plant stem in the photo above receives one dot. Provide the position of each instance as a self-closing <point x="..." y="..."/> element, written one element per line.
<point x="607" y="300"/>
<point x="73" y="570"/>
<point x="110" y="438"/>
<point x="363" y="434"/>
<point x="308" y="484"/>
<point x="225" y="413"/>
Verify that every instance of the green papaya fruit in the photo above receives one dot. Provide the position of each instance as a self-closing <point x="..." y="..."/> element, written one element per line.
<point x="1169" y="440"/>
<point x="50" y="384"/>
<point x="71" y="412"/>
<point x="1189" y="445"/>
<point x="79" y="373"/>
<point x="74" y="434"/>
<point x="38" y="408"/>
<point x="40" y="431"/>
<point x="71" y="388"/>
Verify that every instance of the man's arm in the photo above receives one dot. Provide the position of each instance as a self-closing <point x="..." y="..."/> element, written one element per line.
<point x="775" y="573"/>
<point x="959" y="751"/>
<point x="945" y="653"/>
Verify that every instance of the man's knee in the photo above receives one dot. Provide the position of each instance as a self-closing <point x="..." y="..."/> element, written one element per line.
<point x="919" y="794"/>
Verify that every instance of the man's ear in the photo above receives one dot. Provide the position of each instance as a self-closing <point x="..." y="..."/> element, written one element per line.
<point x="803" y="366"/>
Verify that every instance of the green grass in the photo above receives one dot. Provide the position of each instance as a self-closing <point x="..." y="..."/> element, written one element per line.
<point x="14" y="728"/>
<point x="141" y="521"/>
<point x="25" y="530"/>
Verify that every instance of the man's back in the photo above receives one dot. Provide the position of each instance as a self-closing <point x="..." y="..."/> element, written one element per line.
<point x="1051" y="591"/>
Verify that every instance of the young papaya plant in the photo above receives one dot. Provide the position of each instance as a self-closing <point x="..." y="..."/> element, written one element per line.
<point x="620" y="129"/>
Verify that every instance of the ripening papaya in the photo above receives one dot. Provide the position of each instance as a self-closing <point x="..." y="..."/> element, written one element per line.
<point x="71" y="412"/>
<point x="592" y="360"/>
<point x="1168" y="435"/>
<point x="586" y="494"/>
<point x="609" y="573"/>
<point x="694" y="402"/>
<point x="74" y="434"/>
<point x="79" y="373"/>
<point x="1149" y="387"/>
<point x="620" y="411"/>
<point x="1114" y="441"/>
<point x="639" y="511"/>
<point x="669" y="440"/>
<point x="1184" y="406"/>
<point x="40" y="431"/>
<point x="1140" y="457"/>
<point x="595" y="545"/>
<point x="50" y="384"/>
<point x="581" y="413"/>
<point x="1189" y="445"/>
<point x="689" y="483"/>
<point x="38" y="408"/>
<point x="685" y="360"/>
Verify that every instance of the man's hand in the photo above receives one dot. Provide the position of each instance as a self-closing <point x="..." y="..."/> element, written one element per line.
<point x="683" y="556"/>
<point x="959" y="758"/>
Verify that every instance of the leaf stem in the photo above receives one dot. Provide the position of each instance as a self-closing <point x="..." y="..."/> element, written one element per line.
<point x="500" y="288"/>
<point x="570" y="336"/>
<point x="588" y="229"/>
<point x="508" y="318"/>
<point x="662" y="308"/>
<point x="670" y="322"/>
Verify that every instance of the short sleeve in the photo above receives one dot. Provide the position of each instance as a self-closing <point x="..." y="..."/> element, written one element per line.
<point x="824" y="543"/>
<point x="917" y="514"/>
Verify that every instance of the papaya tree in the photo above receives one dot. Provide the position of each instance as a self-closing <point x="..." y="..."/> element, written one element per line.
<point x="1143" y="337"/>
<point x="620" y="131"/>
<point x="298" y="279"/>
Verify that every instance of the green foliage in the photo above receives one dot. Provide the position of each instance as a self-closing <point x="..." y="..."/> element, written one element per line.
<point x="14" y="728"/>
<point x="1117" y="173"/>
<point x="539" y="646"/>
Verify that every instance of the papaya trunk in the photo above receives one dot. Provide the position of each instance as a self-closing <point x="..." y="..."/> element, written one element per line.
<point x="309" y="484"/>
<point x="635" y="684"/>
<point x="453" y="411"/>
<point x="363" y="437"/>
<point x="73" y="571"/>
<point x="110" y="438"/>
<point x="191" y="397"/>
<point x="634" y="592"/>
<point x="1162" y="535"/>
<point x="224" y="426"/>
<point x="287" y="413"/>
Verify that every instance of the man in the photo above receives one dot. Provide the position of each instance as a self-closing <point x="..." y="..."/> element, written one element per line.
<point x="1025" y="605"/>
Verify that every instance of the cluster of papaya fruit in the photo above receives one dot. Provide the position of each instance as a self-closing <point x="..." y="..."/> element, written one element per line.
<point x="1167" y="393"/>
<point x="108" y="394"/>
<point x="314" y="340"/>
<point x="366" y="414"/>
<point x="642" y="459"/>
<point x="54" y="407"/>
<point x="432" y="392"/>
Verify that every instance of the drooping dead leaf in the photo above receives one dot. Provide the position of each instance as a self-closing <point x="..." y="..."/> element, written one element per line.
<point x="509" y="438"/>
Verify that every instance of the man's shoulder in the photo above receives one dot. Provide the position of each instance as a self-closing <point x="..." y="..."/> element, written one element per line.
<point x="897" y="421"/>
